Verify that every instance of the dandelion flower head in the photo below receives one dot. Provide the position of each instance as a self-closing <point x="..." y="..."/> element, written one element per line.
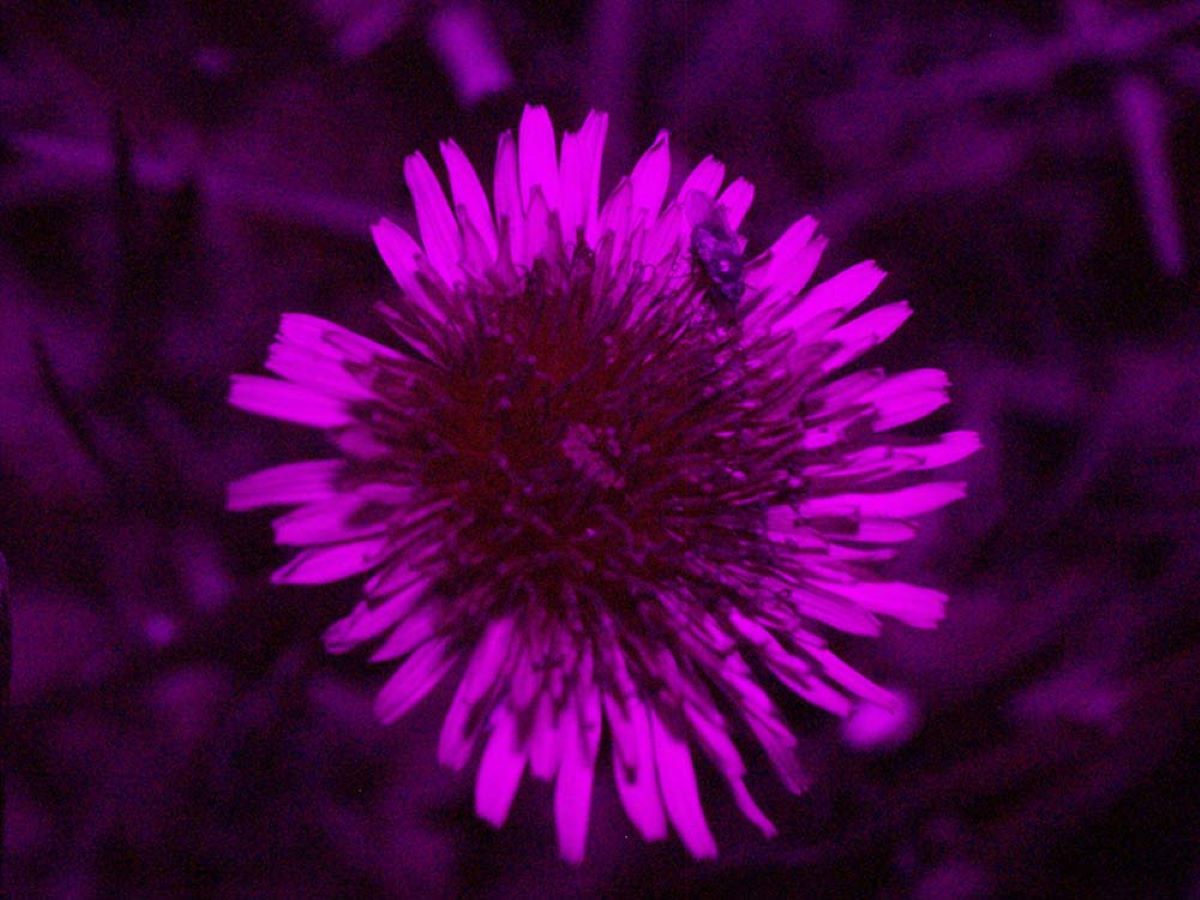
<point x="609" y="471"/>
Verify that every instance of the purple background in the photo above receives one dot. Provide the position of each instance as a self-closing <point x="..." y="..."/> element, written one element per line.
<point x="174" y="175"/>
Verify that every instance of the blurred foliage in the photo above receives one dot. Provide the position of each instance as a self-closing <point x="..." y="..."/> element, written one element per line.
<point x="173" y="175"/>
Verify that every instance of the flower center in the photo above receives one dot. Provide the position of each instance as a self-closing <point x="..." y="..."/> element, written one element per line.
<point x="590" y="444"/>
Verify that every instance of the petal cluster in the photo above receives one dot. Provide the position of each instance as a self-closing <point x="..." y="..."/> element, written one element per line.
<point x="574" y="479"/>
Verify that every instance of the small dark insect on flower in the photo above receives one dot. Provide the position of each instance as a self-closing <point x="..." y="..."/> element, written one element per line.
<point x="716" y="254"/>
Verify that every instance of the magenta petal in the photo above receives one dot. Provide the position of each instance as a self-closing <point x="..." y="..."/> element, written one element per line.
<point x="439" y="228"/>
<point x="837" y="613"/>
<point x="321" y="565"/>
<point x="537" y="156"/>
<point x="419" y="675"/>
<point x="898" y="504"/>
<point x="324" y="522"/>
<point x="649" y="176"/>
<point x="780" y="259"/>
<point x="764" y="721"/>
<point x="500" y="769"/>
<point x="525" y="685"/>
<point x="510" y="208"/>
<point x="815" y="691"/>
<point x="677" y="779"/>
<point x="949" y="448"/>
<point x="301" y="482"/>
<point x="488" y="663"/>
<point x="403" y="257"/>
<point x="545" y="741"/>
<point x="469" y="196"/>
<point x="368" y="622"/>
<point x="839" y="295"/>
<point x="637" y="783"/>
<point x="414" y="630"/>
<point x="618" y="212"/>
<point x="537" y="225"/>
<point x="288" y="402"/>
<point x="705" y="179"/>
<point x="869" y="330"/>
<point x="664" y="237"/>
<point x="711" y="732"/>
<point x="624" y="738"/>
<point x="750" y="809"/>
<point x="490" y="659"/>
<point x="573" y="789"/>
<point x="591" y="152"/>
<point x="880" y="461"/>
<point x="850" y="678"/>
<point x="713" y="736"/>
<point x="737" y="199"/>
<point x="456" y="739"/>
<point x="918" y="606"/>
<point x="321" y="373"/>
<point x="330" y="339"/>
<point x="881" y="531"/>
<point x="902" y="401"/>
<point x="573" y="183"/>
<point x="784" y="271"/>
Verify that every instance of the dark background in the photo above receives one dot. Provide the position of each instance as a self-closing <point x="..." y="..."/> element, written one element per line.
<point x="174" y="175"/>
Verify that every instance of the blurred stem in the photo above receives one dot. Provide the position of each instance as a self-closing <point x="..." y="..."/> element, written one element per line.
<point x="1145" y="127"/>
<point x="1021" y="69"/>
<point x="92" y="163"/>
<point x="1144" y="121"/>
<point x="76" y="417"/>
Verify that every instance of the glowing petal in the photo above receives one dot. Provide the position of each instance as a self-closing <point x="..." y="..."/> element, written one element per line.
<point x="500" y="769"/>
<point x="469" y="196"/>
<point x="677" y="780"/>
<point x="301" y="482"/>
<point x="538" y="157"/>
<point x="439" y="228"/>
<point x="288" y="402"/>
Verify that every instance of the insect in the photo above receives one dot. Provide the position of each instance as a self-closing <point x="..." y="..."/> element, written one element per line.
<point x="716" y="254"/>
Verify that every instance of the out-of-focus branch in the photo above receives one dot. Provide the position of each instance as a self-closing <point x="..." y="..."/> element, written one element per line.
<point x="363" y="26"/>
<point x="92" y="163"/>
<point x="1144" y="125"/>
<point x="463" y="38"/>
<point x="77" y="420"/>
<point x="1023" y="68"/>
<point x="74" y="161"/>
<point x="1140" y="108"/>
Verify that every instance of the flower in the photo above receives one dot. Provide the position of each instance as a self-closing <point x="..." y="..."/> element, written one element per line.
<point x="612" y="466"/>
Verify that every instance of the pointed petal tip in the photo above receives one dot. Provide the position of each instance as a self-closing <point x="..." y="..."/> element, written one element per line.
<point x="969" y="442"/>
<point x="597" y="120"/>
<point x="501" y="769"/>
<point x="535" y="115"/>
<point x="382" y="225"/>
<point x="287" y="401"/>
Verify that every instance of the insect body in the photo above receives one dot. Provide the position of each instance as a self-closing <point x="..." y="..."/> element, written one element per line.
<point x="716" y="254"/>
